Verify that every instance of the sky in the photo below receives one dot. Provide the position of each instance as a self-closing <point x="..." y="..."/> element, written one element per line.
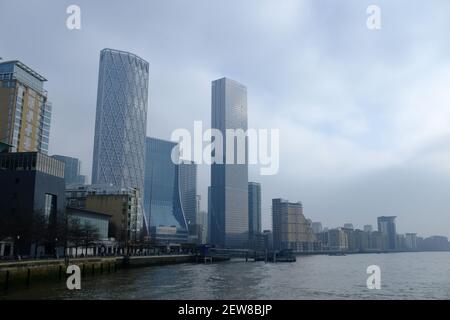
<point x="364" y="115"/>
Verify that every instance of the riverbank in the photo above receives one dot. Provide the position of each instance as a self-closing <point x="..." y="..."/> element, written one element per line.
<point x="26" y="273"/>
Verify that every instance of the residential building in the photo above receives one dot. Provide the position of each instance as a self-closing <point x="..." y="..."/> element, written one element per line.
<point x="290" y="227"/>
<point x="24" y="108"/>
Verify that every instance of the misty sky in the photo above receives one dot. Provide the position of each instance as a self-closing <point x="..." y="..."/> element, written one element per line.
<point x="364" y="116"/>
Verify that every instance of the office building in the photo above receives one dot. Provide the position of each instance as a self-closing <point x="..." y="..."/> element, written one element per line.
<point x="349" y="226"/>
<point x="368" y="228"/>
<point x="254" y="209"/>
<point x="317" y="227"/>
<point x="386" y="225"/>
<point x="229" y="223"/>
<point x="32" y="200"/>
<point x="121" y="121"/>
<point x="162" y="198"/>
<point x="188" y="190"/>
<point x="24" y="108"/>
<point x="291" y="230"/>
<point x="72" y="168"/>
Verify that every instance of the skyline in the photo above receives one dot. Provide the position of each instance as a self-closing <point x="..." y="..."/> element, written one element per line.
<point x="408" y="172"/>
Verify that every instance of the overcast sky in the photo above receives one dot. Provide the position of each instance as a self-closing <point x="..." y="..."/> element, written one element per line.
<point x="364" y="116"/>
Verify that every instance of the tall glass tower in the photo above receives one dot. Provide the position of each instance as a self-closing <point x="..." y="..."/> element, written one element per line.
<point x="162" y="198"/>
<point x="229" y="181"/>
<point x="121" y="120"/>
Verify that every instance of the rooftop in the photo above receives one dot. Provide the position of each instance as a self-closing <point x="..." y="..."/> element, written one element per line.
<point x="26" y="68"/>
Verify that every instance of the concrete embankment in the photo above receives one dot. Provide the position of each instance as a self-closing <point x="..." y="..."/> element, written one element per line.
<point x="26" y="273"/>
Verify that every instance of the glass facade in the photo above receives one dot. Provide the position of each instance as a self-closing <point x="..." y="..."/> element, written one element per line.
<point x="188" y="190"/>
<point x="254" y="209"/>
<point x="72" y="167"/>
<point x="121" y="120"/>
<point x="162" y="199"/>
<point x="229" y="182"/>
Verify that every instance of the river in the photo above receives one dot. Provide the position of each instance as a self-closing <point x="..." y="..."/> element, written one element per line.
<point x="424" y="275"/>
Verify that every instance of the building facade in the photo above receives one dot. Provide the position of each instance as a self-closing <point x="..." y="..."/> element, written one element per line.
<point x="254" y="210"/>
<point x="121" y="121"/>
<point x="32" y="203"/>
<point x="124" y="207"/>
<point x="72" y="168"/>
<point x="411" y="241"/>
<point x="386" y="225"/>
<point x="317" y="227"/>
<point x="229" y="178"/>
<point x="291" y="230"/>
<point x="162" y="198"/>
<point x="188" y="190"/>
<point x="24" y="108"/>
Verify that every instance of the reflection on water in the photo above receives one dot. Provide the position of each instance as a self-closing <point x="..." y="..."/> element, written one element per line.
<point x="404" y="276"/>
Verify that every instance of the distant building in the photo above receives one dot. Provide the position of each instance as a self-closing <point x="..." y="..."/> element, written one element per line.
<point x="268" y="239"/>
<point x="290" y="227"/>
<point x="349" y="226"/>
<point x="72" y="168"/>
<point x="25" y="111"/>
<point x="32" y="199"/>
<point x="352" y="240"/>
<point x="188" y="190"/>
<point x="378" y="241"/>
<point x="401" y="242"/>
<point x="435" y="243"/>
<point x="162" y="199"/>
<point x="254" y="210"/>
<point x="202" y="220"/>
<point x="362" y="239"/>
<point x="411" y="241"/>
<point x="229" y="180"/>
<point x="368" y="228"/>
<point x="337" y="240"/>
<point x="386" y="225"/>
<point x="317" y="227"/>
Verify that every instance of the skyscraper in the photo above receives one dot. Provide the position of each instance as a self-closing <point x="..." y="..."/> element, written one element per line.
<point x="254" y="209"/>
<point x="121" y="120"/>
<point x="386" y="225"/>
<point x="188" y="190"/>
<point x="72" y="167"/>
<point x="24" y="108"/>
<point x="229" y="180"/>
<point x="162" y="197"/>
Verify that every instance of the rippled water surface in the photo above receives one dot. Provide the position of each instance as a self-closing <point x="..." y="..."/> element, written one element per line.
<point x="404" y="276"/>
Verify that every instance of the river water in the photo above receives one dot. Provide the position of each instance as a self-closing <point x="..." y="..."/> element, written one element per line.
<point x="403" y="276"/>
